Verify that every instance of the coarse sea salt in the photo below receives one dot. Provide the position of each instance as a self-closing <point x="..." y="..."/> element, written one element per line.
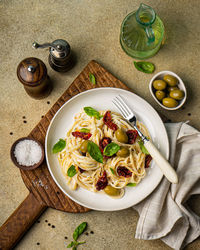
<point x="28" y="152"/>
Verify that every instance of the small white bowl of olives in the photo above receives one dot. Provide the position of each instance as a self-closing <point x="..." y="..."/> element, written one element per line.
<point x="168" y="90"/>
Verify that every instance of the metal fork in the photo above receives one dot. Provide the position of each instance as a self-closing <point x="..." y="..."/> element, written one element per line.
<point x="162" y="163"/>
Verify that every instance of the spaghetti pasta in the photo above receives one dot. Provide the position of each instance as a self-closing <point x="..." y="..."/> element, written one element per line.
<point x="118" y="171"/>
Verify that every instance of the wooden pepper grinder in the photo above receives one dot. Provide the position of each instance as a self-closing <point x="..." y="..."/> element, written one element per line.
<point x="60" y="56"/>
<point x="32" y="73"/>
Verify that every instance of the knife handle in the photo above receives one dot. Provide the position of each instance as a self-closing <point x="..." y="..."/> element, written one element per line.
<point x="161" y="162"/>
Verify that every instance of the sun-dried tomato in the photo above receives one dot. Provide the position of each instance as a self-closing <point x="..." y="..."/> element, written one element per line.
<point x="102" y="182"/>
<point x="132" y="135"/>
<point x="148" y="159"/>
<point x="107" y="119"/>
<point x="123" y="171"/>
<point x="82" y="135"/>
<point x="81" y="170"/>
<point x="104" y="142"/>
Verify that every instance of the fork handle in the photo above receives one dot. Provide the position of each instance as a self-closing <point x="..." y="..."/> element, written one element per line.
<point x="162" y="163"/>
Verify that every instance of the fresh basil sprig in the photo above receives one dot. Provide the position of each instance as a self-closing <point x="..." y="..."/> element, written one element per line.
<point x="94" y="151"/>
<point x="71" y="171"/>
<point x="142" y="147"/>
<point x="111" y="149"/>
<point x="131" y="184"/>
<point x="59" y="146"/>
<point x="92" y="78"/>
<point x="145" y="67"/>
<point x="77" y="232"/>
<point x="84" y="130"/>
<point x="92" y="112"/>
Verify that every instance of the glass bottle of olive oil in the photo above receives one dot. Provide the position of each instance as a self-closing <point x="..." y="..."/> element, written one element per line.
<point x="142" y="33"/>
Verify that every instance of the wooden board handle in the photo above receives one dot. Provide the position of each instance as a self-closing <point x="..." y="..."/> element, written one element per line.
<point x="20" y="221"/>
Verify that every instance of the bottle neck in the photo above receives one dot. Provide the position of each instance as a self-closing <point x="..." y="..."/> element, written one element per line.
<point x="146" y="16"/>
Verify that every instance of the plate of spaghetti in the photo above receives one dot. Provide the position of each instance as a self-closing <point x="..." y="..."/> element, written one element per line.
<point x="96" y="157"/>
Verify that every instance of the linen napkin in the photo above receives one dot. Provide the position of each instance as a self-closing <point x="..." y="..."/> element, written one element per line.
<point x="164" y="214"/>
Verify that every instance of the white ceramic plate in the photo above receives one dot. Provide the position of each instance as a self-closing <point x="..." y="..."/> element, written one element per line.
<point x="100" y="99"/>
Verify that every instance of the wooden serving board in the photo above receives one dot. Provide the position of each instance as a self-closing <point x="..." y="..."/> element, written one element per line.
<point x="43" y="190"/>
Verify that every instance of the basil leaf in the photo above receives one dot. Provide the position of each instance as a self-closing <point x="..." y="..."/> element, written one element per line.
<point x="92" y="112"/>
<point x="74" y="248"/>
<point x="59" y="146"/>
<point x="80" y="242"/>
<point x="71" y="171"/>
<point x="85" y="130"/>
<point x="71" y="244"/>
<point x="112" y="170"/>
<point x="131" y="184"/>
<point x="79" y="230"/>
<point x="92" y="78"/>
<point x="145" y="67"/>
<point x="94" y="151"/>
<point x="111" y="149"/>
<point x="142" y="147"/>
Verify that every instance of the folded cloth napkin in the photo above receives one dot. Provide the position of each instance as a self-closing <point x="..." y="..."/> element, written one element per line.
<point x="164" y="214"/>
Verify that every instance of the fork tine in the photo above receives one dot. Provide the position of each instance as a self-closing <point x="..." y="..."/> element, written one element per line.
<point x="125" y="105"/>
<point x="121" y="106"/>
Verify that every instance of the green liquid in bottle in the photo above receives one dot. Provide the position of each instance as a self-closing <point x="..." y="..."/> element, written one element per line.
<point x="142" y="33"/>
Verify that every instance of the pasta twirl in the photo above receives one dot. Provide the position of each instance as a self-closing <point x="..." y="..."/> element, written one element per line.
<point x="119" y="170"/>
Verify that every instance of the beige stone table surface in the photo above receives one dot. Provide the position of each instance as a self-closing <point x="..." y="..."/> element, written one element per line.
<point x="92" y="28"/>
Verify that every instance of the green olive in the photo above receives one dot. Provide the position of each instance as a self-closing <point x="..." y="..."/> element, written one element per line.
<point x="177" y="94"/>
<point x="159" y="84"/>
<point x="160" y="94"/>
<point x="172" y="88"/>
<point x="169" y="102"/>
<point x="121" y="136"/>
<point x="123" y="152"/>
<point x="83" y="147"/>
<point x="112" y="191"/>
<point x="171" y="80"/>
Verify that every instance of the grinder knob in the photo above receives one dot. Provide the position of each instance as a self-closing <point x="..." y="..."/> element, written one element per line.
<point x="60" y="56"/>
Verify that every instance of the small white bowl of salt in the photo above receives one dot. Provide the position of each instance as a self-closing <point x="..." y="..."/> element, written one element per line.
<point x="27" y="153"/>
